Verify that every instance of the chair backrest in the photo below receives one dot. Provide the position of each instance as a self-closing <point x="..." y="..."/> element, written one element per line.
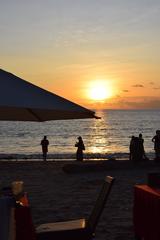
<point x="100" y="203"/>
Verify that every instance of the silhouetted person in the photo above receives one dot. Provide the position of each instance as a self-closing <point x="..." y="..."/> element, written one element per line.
<point x="156" y="140"/>
<point x="141" y="147"/>
<point x="136" y="149"/>
<point x="131" y="148"/>
<point x="44" y="144"/>
<point x="80" y="147"/>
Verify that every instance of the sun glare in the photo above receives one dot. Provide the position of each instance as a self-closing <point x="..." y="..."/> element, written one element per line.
<point x="99" y="90"/>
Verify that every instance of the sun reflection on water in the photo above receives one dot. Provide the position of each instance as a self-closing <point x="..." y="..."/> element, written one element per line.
<point x="102" y="136"/>
<point x="97" y="139"/>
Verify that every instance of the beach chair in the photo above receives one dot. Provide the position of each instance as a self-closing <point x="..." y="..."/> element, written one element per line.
<point x="79" y="229"/>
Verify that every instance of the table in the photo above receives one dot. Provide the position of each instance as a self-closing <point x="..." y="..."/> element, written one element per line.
<point x="146" y="212"/>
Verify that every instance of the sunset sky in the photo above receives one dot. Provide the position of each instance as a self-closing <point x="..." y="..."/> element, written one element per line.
<point x="98" y="53"/>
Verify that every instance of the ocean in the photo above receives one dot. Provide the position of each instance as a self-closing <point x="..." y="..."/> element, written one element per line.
<point x="104" y="138"/>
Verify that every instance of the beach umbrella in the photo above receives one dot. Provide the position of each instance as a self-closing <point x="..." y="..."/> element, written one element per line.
<point x="23" y="101"/>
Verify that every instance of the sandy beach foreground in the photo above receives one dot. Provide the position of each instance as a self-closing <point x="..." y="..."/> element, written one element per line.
<point x="57" y="195"/>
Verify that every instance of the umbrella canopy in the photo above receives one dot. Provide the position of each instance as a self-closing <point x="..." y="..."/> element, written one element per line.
<point x="23" y="101"/>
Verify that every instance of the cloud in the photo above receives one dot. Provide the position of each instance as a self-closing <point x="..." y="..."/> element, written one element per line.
<point x="152" y="104"/>
<point x="117" y="96"/>
<point x="156" y="88"/>
<point x="138" y="86"/>
<point x="125" y="90"/>
<point x="139" y="103"/>
<point x="131" y="103"/>
<point x="151" y="83"/>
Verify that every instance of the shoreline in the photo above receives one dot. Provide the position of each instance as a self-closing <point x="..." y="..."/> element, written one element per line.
<point x="70" y="156"/>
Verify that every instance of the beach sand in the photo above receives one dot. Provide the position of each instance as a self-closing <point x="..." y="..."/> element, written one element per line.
<point x="56" y="195"/>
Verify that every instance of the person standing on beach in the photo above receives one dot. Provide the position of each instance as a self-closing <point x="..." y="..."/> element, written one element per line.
<point x="136" y="149"/>
<point x="131" y="148"/>
<point x="44" y="144"/>
<point x="80" y="147"/>
<point x="156" y="140"/>
<point x="141" y="142"/>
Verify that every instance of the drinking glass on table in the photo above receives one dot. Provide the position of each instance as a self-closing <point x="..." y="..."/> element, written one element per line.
<point x="19" y="194"/>
<point x="18" y="189"/>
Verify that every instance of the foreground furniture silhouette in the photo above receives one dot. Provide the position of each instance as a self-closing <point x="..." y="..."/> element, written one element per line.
<point x="79" y="229"/>
<point x="146" y="211"/>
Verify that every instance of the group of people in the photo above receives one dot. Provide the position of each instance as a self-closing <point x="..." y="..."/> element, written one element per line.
<point x="79" y="144"/>
<point x="136" y="148"/>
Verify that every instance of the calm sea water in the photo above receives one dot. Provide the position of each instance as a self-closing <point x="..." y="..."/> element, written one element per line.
<point x="103" y="138"/>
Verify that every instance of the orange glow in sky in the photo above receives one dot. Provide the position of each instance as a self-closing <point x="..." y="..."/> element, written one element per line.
<point x="98" y="55"/>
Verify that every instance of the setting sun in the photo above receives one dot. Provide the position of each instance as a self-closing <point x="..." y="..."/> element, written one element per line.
<point x="99" y="90"/>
